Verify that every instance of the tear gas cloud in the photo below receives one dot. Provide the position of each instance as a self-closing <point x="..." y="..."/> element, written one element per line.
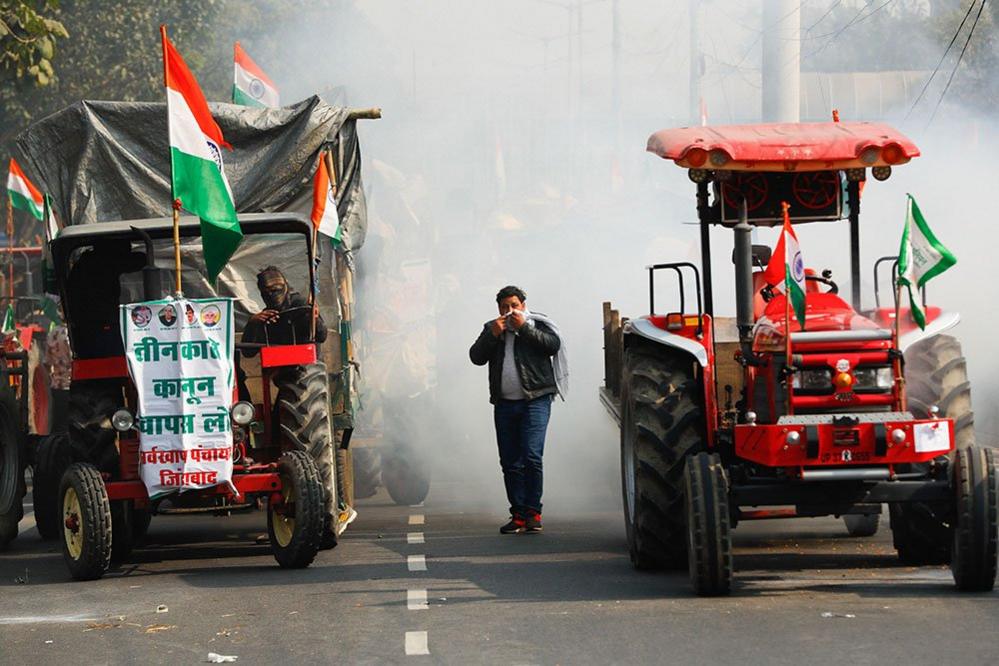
<point x="512" y="151"/>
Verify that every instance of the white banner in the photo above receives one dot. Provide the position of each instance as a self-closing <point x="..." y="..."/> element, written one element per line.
<point x="180" y="356"/>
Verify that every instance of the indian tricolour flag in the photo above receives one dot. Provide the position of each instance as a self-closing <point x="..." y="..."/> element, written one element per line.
<point x="197" y="174"/>
<point x="324" y="213"/>
<point x="22" y="193"/>
<point x="251" y="87"/>
<point x="786" y="270"/>
<point x="920" y="258"/>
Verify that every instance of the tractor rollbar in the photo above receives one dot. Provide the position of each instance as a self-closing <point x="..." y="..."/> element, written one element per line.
<point x="894" y="281"/>
<point x="678" y="267"/>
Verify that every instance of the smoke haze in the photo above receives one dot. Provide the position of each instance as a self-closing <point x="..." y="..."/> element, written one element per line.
<point x="511" y="152"/>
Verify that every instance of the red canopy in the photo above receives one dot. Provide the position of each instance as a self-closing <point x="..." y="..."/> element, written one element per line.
<point x="784" y="146"/>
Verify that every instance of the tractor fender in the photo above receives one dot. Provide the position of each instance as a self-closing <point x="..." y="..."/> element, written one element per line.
<point x="939" y="324"/>
<point x="646" y="329"/>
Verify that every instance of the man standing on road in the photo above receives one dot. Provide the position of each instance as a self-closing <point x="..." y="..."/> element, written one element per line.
<point x="523" y="380"/>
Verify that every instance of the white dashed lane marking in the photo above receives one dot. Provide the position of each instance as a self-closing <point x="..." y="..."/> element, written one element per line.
<point x="416" y="599"/>
<point x="416" y="643"/>
<point x="417" y="562"/>
<point x="415" y="537"/>
<point x="416" y="519"/>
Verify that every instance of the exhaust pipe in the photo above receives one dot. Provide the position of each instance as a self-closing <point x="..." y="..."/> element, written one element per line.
<point x="743" y="257"/>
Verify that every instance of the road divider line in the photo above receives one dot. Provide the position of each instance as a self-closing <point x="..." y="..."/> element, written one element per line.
<point x="417" y="562"/>
<point x="416" y="599"/>
<point x="416" y="519"/>
<point x="416" y="643"/>
<point x="415" y="537"/>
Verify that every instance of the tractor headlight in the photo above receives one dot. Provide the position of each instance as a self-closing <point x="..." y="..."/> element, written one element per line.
<point x="242" y="413"/>
<point x="813" y="379"/>
<point x="872" y="379"/>
<point x="122" y="420"/>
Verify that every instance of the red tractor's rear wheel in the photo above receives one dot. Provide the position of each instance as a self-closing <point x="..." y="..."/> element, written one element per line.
<point x="936" y="373"/>
<point x="662" y="423"/>
<point x="52" y="458"/>
<point x="304" y="419"/>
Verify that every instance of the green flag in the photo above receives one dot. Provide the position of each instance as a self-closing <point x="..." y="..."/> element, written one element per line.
<point x="921" y="258"/>
<point x="8" y="320"/>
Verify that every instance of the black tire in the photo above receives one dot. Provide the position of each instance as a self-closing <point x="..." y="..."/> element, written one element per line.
<point x="8" y="528"/>
<point x="709" y="533"/>
<point x="366" y="464"/>
<point x="936" y="373"/>
<point x="304" y="419"/>
<point x="862" y="525"/>
<point x="86" y="543"/>
<point x="92" y="438"/>
<point x="296" y="528"/>
<point x="52" y="458"/>
<point x="123" y="533"/>
<point x="11" y="448"/>
<point x="406" y="477"/>
<point x="976" y="488"/>
<point x="662" y="423"/>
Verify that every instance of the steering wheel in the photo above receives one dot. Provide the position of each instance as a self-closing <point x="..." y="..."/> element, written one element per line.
<point x="824" y="279"/>
<point x="286" y="313"/>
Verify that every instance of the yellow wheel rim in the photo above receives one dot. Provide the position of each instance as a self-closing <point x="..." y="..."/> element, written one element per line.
<point x="284" y="525"/>
<point x="72" y="515"/>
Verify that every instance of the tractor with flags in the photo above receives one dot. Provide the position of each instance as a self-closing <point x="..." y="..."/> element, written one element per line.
<point x="208" y="315"/>
<point x="805" y="403"/>
<point x="27" y="399"/>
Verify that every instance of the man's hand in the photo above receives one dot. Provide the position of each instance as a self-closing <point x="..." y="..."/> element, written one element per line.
<point x="498" y="326"/>
<point x="266" y="316"/>
<point x="517" y="319"/>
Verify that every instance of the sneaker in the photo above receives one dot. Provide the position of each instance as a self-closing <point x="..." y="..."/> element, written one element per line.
<point x="533" y="524"/>
<point x="515" y="526"/>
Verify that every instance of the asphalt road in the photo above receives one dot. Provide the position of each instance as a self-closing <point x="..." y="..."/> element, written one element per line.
<point x="805" y="593"/>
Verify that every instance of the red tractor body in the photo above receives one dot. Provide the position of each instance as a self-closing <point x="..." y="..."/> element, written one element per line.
<point x="721" y="416"/>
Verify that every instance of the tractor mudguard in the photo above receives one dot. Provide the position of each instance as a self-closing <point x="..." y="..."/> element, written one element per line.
<point x="695" y="340"/>
<point x="646" y="329"/>
<point x="934" y="326"/>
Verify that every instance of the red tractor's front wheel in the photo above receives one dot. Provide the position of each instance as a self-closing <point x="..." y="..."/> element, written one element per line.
<point x="86" y="522"/>
<point x="295" y="524"/>
<point x="976" y="488"/>
<point x="709" y="528"/>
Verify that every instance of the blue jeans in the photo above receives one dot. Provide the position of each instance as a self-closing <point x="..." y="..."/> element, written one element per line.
<point x="520" y="434"/>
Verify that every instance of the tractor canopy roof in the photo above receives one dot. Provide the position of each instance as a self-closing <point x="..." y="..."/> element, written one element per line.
<point x="784" y="146"/>
<point x="85" y="235"/>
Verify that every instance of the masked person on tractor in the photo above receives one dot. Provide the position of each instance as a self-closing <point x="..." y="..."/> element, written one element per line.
<point x="287" y="320"/>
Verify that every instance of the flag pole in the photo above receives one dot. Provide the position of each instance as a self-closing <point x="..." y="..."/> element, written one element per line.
<point x="896" y="353"/>
<point x="10" y="249"/>
<point x="176" y="203"/>
<point x="787" y="318"/>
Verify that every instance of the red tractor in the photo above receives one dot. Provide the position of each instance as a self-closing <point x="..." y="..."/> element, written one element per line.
<point x="723" y="420"/>
<point x="88" y="488"/>
<point x="26" y="407"/>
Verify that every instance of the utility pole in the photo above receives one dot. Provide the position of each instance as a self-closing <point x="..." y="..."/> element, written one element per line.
<point x="695" y="64"/>
<point x="781" y="61"/>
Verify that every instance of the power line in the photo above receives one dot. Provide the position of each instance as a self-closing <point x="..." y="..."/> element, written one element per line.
<point x="822" y="18"/>
<point x="942" y="58"/>
<point x="971" y="32"/>
<point x="759" y="36"/>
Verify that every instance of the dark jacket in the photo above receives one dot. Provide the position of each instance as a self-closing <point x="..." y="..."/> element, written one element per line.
<point x="293" y="328"/>
<point x="533" y="348"/>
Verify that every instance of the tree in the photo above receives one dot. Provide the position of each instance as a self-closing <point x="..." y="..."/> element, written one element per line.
<point x="28" y="38"/>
